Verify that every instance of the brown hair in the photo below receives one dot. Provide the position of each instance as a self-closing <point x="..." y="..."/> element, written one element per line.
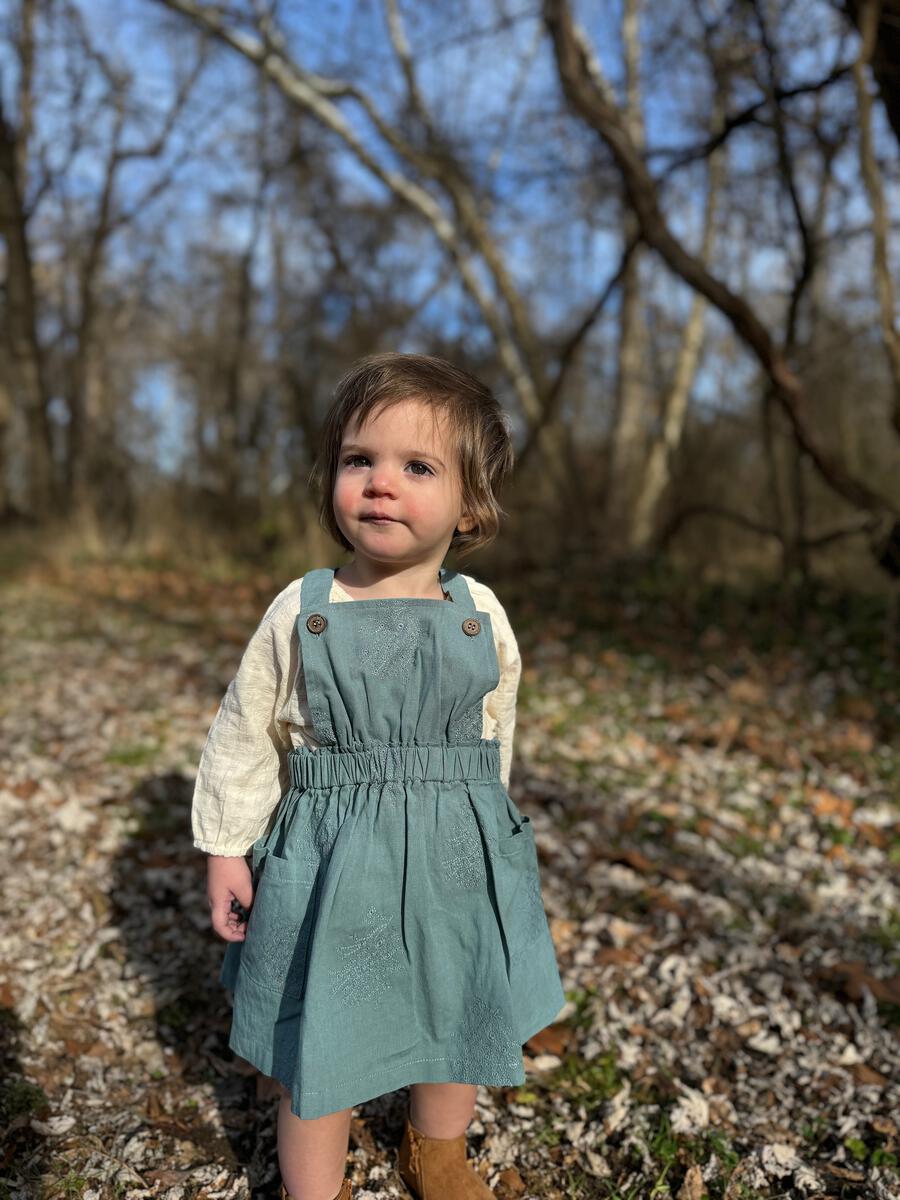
<point x="476" y="422"/>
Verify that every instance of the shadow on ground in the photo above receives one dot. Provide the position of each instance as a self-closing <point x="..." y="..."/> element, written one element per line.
<point x="159" y="904"/>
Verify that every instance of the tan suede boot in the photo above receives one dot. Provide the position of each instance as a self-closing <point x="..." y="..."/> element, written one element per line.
<point x="346" y="1192"/>
<point x="436" y="1168"/>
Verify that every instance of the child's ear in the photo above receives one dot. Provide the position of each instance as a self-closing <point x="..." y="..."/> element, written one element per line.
<point x="465" y="524"/>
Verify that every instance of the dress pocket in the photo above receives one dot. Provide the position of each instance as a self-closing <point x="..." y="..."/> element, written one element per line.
<point x="517" y="886"/>
<point x="514" y="843"/>
<point x="514" y="829"/>
<point x="293" y="869"/>
<point x="280" y="926"/>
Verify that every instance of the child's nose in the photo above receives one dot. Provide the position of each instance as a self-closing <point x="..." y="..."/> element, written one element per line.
<point x="381" y="481"/>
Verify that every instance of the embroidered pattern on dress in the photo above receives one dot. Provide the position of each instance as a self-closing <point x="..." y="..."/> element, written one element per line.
<point x="534" y="919"/>
<point x="278" y="957"/>
<point x="484" y="1049"/>
<point x="391" y="642"/>
<point x="463" y="864"/>
<point x="369" y="963"/>
<point x="322" y="725"/>
<point x="310" y="845"/>
<point x="468" y="725"/>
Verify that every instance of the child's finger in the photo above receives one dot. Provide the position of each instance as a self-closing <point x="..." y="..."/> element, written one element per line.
<point x="229" y="918"/>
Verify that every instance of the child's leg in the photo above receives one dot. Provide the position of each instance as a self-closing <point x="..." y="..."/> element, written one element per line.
<point x="312" y="1153"/>
<point x="442" y="1110"/>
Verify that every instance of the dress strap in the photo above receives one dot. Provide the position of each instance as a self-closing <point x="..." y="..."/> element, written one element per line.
<point x="454" y="583"/>
<point x="315" y="589"/>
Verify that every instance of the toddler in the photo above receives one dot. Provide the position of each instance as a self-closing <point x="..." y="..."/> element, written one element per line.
<point x="388" y="930"/>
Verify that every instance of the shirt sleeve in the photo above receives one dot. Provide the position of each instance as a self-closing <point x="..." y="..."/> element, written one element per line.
<point x="500" y="704"/>
<point x="243" y="763"/>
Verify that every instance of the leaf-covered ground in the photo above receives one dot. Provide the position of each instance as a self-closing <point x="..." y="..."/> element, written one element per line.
<point x="716" y="809"/>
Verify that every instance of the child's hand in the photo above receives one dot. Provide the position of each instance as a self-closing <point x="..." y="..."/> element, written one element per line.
<point x="229" y="889"/>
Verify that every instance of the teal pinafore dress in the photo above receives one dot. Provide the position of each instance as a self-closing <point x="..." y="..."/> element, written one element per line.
<point x="397" y="933"/>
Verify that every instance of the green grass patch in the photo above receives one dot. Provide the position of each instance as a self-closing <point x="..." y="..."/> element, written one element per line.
<point x="71" y="1184"/>
<point x="176" y="1015"/>
<point x="742" y="845"/>
<point x="582" y="998"/>
<point x="138" y="755"/>
<point x="590" y="1083"/>
<point x="20" y="1097"/>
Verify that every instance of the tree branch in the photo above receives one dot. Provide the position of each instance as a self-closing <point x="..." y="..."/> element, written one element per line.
<point x="869" y="525"/>
<point x="682" y="156"/>
<point x="317" y="95"/>
<point x="590" y="97"/>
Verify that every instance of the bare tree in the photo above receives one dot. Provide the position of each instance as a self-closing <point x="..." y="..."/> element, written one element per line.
<point x="629" y="435"/>
<point x="665" y="445"/>
<point x="372" y="198"/>
<point x="70" y="365"/>
<point x="436" y="185"/>
<point x="591" y="97"/>
<point x="25" y="376"/>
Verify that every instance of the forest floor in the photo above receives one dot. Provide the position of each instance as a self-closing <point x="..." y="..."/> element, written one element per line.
<point x="716" y="804"/>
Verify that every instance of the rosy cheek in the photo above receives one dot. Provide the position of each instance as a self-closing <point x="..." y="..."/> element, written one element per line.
<point x="412" y="508"/>
<point x="344" y="491"/>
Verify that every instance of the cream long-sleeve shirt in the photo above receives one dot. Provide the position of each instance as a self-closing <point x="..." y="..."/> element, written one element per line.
<point x="243" y="769"/>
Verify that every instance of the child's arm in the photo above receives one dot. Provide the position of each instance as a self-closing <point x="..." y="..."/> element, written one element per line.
<point x="503" y="699"/>
<point x="239" y="779"/>
<point x="500" y="704"/>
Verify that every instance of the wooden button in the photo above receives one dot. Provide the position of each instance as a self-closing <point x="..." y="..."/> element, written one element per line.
<point x="471" y="626"/>
<point x="316" y="623"/>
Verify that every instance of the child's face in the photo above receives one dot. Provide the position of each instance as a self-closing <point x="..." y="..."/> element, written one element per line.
<point x="401" y="464"/>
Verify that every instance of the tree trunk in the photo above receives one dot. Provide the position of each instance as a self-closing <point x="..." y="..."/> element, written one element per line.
<point x="25" y="360"/>
<point x="629" y="433"/>
<point x="868" y="25"/>
<point x="663" y="451"/>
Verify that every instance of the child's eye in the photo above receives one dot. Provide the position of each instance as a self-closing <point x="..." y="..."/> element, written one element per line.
<point x="421" y="464"/>
<point x="352" y="458"/>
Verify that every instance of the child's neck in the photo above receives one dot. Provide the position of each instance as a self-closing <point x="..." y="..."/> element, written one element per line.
<point x="363" y="583"/>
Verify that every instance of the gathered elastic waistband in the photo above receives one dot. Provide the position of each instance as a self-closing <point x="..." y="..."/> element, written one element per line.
<point x="329" y="767"/>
